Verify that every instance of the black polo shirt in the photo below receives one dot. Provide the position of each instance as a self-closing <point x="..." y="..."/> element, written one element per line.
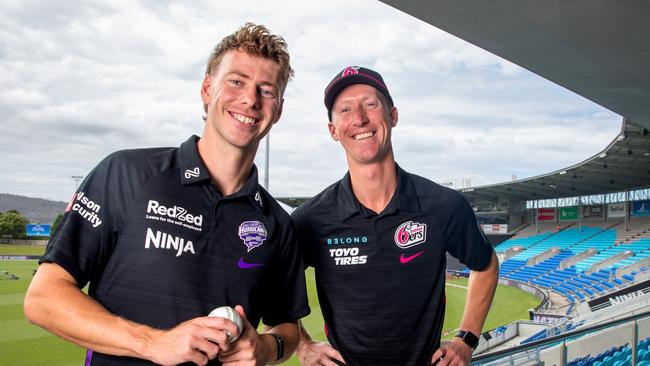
<point x="159" y="244"/>
<point x="381" y="277"/>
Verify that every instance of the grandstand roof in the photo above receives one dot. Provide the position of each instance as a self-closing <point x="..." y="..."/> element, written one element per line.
<point x="623" y="165"/>
<point x="598" y="49"/>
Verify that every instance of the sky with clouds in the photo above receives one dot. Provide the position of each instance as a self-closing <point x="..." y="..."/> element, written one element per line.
<point x="80" y="79"/>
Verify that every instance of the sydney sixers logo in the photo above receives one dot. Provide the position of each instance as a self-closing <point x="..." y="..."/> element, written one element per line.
<point x="352" y="70"/>
<point x="410" y="234"/>
<point x="253" y="233"/>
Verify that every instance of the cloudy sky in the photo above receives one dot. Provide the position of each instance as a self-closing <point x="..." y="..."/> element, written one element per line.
<point x="80" y="79"/>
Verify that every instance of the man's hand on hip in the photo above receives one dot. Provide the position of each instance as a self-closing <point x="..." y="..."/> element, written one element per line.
<point x="452" y="353"/>
<point x="312" y="353"/>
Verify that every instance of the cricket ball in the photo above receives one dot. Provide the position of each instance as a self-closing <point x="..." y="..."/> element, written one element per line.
<point x="230" y="314"/>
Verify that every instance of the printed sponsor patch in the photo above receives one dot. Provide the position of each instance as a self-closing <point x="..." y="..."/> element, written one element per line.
<point x="176" y="215"/>
<point x="86" y="208"/>
<point x="410" y="234"/>
<point x="192" y="173"/>
<point x="253" y="233"/>
<point x="163" y="240"/>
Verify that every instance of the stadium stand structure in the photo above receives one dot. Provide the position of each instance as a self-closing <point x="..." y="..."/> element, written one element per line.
<point x="608" y="346"/>
<point x="578" y="264"/>
<point x="586" y="266"/>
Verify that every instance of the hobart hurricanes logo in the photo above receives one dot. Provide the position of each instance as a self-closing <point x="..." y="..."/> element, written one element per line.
<point x="253" y="233"/>
<point x="410" y="234"/>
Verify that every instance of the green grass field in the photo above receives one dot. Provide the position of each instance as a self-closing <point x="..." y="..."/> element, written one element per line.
<point x="24" y="344"/>
<point x="20" y="342"/>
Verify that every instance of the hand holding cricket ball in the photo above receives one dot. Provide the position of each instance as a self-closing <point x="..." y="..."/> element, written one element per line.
<point x="229" y="313"/>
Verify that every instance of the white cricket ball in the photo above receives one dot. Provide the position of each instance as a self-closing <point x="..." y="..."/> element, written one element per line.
<point x="230" y="314"/>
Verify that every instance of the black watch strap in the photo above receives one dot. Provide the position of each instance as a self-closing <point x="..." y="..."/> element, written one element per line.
<point x="279" y="342"/>
<point x="468" y="337"/>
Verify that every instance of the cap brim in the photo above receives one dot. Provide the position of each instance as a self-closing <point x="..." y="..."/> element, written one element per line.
<point x="339" y="85"/>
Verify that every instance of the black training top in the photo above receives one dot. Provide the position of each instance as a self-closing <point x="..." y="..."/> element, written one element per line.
<point x="381" y="277"/>
<point x="160" y="245"/>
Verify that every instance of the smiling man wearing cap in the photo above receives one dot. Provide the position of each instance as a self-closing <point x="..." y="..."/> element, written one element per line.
<point x="378" y="240"/>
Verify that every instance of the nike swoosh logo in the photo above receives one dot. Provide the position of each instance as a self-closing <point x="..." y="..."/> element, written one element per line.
<point x="405" y="259"/>
<point x="245" y="265"/>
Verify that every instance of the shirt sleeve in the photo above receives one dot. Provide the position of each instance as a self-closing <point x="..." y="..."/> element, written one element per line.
<point x="85" y="238"/>
<point x="304" y="238"/>
<point x="287" y="300"/>
<point x="464" y="239"/>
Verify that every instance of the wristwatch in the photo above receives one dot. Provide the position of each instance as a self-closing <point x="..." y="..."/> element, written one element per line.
<point x="468" y="337"/>
<point x="279" y="342"/>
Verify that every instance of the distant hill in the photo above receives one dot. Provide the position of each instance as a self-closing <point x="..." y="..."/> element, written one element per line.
<point x="37" y="210"/>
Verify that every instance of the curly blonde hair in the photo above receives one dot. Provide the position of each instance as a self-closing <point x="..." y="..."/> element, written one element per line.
<point x="255" y="40"/>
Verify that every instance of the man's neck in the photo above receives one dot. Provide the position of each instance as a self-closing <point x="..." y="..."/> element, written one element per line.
<point x="374" y="184"/>
<point x="229" y="167"/>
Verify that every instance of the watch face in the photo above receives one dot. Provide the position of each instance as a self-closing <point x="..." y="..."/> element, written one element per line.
<point x="469" y="338"/>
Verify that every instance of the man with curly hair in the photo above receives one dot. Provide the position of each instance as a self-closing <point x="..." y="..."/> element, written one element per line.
<point x="163" y="236"/>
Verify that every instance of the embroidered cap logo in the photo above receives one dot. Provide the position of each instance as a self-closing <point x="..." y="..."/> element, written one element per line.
<point x="352" y="70"/>
<point x="253" y="233"/>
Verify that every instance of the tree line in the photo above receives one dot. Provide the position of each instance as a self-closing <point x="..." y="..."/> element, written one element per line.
<point x="13" y="224"/>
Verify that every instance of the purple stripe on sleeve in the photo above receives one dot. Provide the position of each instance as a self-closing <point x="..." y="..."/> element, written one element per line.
<point x="89" y="357"/>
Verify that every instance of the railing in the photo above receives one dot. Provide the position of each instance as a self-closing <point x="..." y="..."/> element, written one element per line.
<point x="530" y="353"/>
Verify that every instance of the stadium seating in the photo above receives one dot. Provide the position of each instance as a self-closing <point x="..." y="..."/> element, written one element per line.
<point x="583" y="280"/>
<point x="580" y="264"/>
<point x="616" y="356"/>
<point x="521" y="242"/>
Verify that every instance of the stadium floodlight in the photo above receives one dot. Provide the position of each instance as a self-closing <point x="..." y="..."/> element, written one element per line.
<point x="562" y="172"/>
<point x="603" y="155"/>
<point x="77" y="179"/>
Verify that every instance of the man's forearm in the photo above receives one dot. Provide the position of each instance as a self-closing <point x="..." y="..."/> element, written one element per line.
<point x="55" y="303"/>
<point x="290" y="336"/>
<point x="480" y="293"/>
